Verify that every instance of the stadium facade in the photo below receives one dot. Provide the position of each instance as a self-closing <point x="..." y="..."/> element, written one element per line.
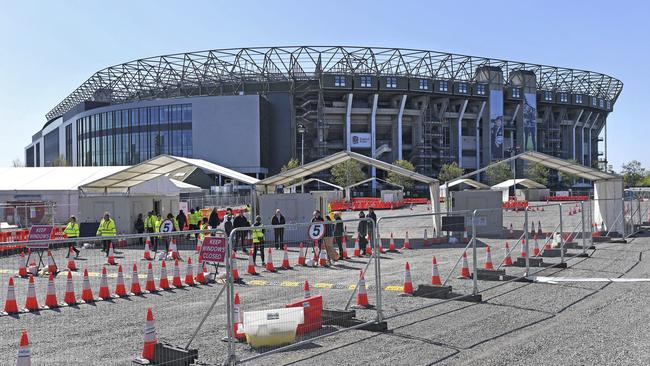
<point x="251" y="109"/>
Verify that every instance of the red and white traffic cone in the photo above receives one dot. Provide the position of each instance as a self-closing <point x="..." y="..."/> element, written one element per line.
<point x="164" y="281"/>
<point x="465" y="236"/>
<point x="150" y="339"/>
<point x="50" y="297"/>
<point x="547" y="242"/>
<point x="464" y="269"/>
<point x="535" y="247"/>
<point x="11" y="307"/>
<point x="357" y="250"/>
<point x="379" y="244"/>
<point x="322" y="257"/>
<point x="435" y="274"/>
<point x="305" y="289"/>
<point x="285" y="260"/>
<point x="406" y="244"/>
<point x="488" y="258"/>
<point x="176" y="281"/>
<point x="391" y="244"/>
<point x="173" y="249"/>
<point x="150" y="285"/>
<point x="24" y="351"/>
<point x="239" y="318"/>
<point x="425" y="239"/>
<point x="31" y="303"/>
<point x="408" y="283"/>
<point x="301" y="255"/>
<point x="72" y="265"/>
<point x="198" y="247"/>
<point x="251" y="265"/>
<point x="539" y="228"/>
<point x="111" y="255"/>
<point x="69" y="297"/>
<point x="104" y="292"/>
<point x="200" y="274"/>
<point x="524" y="252"/>
<point x="147" y="249"/>
<point x="32" y="269"/>
<point x="507" y="261"/>
<point x="233" y="269"/>
<point x="368" y="248"/>
<point x="189" y="273"/>
<point x="22" y="270"/>
<point x="51" y="266"/>
<point x="362" y="293"/>
<point x="135" y="281"/>
<point x="120" y="288"/>
<point x="86" y="291"/>
<point x="511" y="232"/>
<point x="269" y="261"/>
<point x="344" y="244"/>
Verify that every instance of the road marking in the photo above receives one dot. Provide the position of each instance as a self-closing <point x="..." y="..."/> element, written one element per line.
<point x="555" y="280"/>
<point x="394" y="288"/>
<point x="290" y="284"/>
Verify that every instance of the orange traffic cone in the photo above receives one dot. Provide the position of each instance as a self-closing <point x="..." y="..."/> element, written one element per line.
<point x="120" y="289"/>
<point x="111" y="255"/>
<point x="269" y="261"/>
<point x="251" y="265"/>
<point x="547" y="243"/>
<point x="239" y="318"/>
<point x="535" y="247"/>
<point x="86" y="291"/>
<point x="11" y="307"/>
<point x="362" y="294"/>
<point x="511" y="232"/>
<point x="391" y="244"/>
<point x="176" y="281"/>
<point x="357" y="250"/>
<point x="69" y="297"/>
<point x="305" y="289"/>
<point x="368" y="248"/>
<point x="200" y="274"/>
<point x="135" y="281"/>
<point x="464" y="269"/>
<point x="435" y="274"/>
<point x="33" y="269"/>
<point x="31" y="303"/>
<point x="173" y="249"/>
<point x="51" y="266"/>
<point x="233" y="269"/>
<point x="507" y="261"/>
<point x="301" y="255"/>
<point x="344" y="255"/>
<point x="150" y="285"/>
<point x="406" y="244"/>
<point x="285" y="260"/>
<point x="425" y="239"/>
<point x="189" y="273"/>
<point x="24" y="352"/>
<point x="104" y="292"/>
<point x="150" y="339"/>
<point x="524" y="252"/>
<point x="488" y="258"/>
<point x="22" y="270"/>
<point x="50" y="296"/>
<point x="379" y="244"/>
<point x="147" y="249"/>
<point x="408" y="284"/>
<point x="465" y="236"/>
<point x="164" y="281"/>
<point x="322" y="257"/>
<point x="72" y="265"/>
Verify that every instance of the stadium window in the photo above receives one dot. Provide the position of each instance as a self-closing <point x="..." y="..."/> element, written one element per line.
<point x="366" y="81"/>
<point x="480" y="89"/>
<point x="516" y="93"/>
<point x="548" y="96"/>
<point x="609" y="105"/>
<point x="424" y="84"/>
<point x="391" y="82"/>
<point x="339" y="80"/>
<point x="601" y="103"/>
<point x="443" y="86"/>
<point x="579" y="99"/>
<point x="593" y="101"/>
<point x="564" y="97"/>
<point x="462" y="88"/>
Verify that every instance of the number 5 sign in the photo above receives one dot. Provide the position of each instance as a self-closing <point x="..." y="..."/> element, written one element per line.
<point x="316" y="231"/>
<point x="167" y="226"/>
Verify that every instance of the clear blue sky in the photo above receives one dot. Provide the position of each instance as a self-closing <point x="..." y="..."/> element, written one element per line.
<point x="48" y="48"/>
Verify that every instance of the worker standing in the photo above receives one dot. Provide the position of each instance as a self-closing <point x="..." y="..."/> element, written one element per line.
<point x="339" y="232"/>
<point x="72" y="231"/>
<point x="198" y="218"/>
<point x="149" y="227"/>
<point x="258" y="239"/>
<point x="156" y="228"/>
<point x="240" y="221"/>
<point x="278" y="232"/>
<point x="106" y="228"/>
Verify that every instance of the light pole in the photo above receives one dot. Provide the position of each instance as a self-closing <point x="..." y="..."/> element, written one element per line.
<point x="302" y="130"/>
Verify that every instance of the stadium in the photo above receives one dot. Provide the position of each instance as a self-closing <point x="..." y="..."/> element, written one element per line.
<point x="253" y="109"/>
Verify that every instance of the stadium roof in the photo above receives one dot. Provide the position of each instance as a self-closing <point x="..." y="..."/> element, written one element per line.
<point x="206" y="72"/>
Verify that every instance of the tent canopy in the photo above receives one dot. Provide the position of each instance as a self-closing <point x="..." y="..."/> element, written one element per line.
<point x="328" y="162"/>
<point x="288" y="188"/>
<point x="524" y="182"/>
<point x="370" y="180"/>
<point x="469" y="182"/>
<point x="162" y="165"/>
<point x="565" y="166"/>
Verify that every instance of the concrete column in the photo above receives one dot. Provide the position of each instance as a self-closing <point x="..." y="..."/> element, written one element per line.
<point x="348" y="124"/>
<point x="575" y="124"/>
<point x="460" y="133"/>
<point x="373" y="140"/>
<point x="399" y="127"/>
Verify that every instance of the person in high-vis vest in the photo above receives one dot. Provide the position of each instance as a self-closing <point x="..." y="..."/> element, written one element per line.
<point x="258" y="239"/>
<point x="156" y="229"/>
<point x="198" y="219"/>
<point x="204" y="226"/>
<point x="148" y="227"/>
<point x="106" y="228"/>
<point x="72" y="231"/>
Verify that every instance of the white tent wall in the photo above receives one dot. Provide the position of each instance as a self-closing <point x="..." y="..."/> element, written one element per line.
<point x="608" y="204"/>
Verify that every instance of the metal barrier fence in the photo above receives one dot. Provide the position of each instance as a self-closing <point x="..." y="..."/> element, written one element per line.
<point x="218" y="201"/>
<point x="23" y="215"/>
<point x="303" y="281"/>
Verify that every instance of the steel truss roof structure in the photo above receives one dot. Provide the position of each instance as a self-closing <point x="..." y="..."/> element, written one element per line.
<point x="207" y="72"/>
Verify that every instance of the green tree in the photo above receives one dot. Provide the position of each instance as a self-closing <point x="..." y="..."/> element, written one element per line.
<point x="633" y="173"/>
<point x="398" y="179"/>
<point x="450" y="172"/>
<point x="538" y="173"/>
<point x="59" y="161"/>
<point x="291" y="164"/>
<point x="498" y="173"/>
<point x="347" y="173"/>
<point x="17" y="163"/>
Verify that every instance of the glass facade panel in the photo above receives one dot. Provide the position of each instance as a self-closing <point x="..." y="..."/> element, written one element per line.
<point x="130" y="136"/>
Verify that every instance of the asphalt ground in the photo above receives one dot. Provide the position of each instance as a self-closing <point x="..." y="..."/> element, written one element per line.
<point x="517" y="323"/>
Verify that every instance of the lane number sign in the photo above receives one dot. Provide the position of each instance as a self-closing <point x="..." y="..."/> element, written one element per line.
<point x="167" y="226"/>
<point x="316" y="231"/>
